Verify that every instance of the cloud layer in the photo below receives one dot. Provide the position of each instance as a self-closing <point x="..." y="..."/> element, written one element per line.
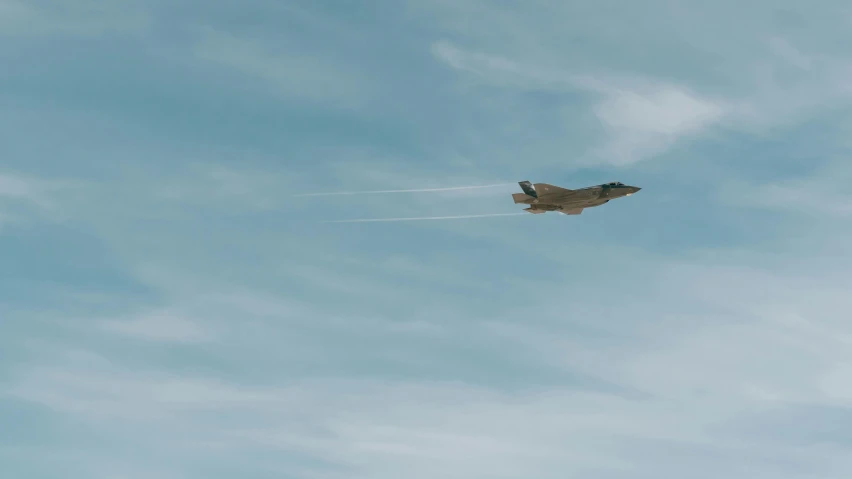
<point x="171" y="309"/>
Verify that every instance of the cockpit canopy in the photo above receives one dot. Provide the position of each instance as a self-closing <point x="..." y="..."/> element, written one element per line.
<point x="615" y="183"/>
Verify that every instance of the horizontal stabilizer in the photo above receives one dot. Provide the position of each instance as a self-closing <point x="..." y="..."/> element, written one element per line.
<point x="522" y="198"/>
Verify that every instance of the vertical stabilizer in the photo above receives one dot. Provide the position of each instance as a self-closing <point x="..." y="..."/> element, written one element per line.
<point x="528" y="188"/>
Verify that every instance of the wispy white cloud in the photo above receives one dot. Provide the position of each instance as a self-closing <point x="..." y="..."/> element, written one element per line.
<point x="641" y="117"/>
<point x="643" y="124"/>
<point x="789" y="53"/>
<point x="290" y="72"/>
<point x="761" y="76"/>
<point x="818" y="195"/>
<point x="445" y="349"/>
<point x="79" y="18"/>
<point x="800" y="197"/>
<point x="23" y="198"/>
<point x="367" y="428"/>
<point x="211" y="182"/>
<point x="710" y="357"/>
<point x="680" y="380"/>
<point x="789" y="85"/>
<point x="166" y="326"/>
<point x="19" y="188"/>
<point x="496" y="69"/>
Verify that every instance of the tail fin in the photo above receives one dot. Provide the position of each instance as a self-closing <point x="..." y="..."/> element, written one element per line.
<point x="528" y="188"/>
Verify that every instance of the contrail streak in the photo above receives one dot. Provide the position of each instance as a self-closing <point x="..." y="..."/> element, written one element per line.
<point x="424" y="218"/>
<point x="420" y="190"/>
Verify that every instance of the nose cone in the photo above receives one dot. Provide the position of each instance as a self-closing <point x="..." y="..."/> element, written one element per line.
<point x="632" y="189"/>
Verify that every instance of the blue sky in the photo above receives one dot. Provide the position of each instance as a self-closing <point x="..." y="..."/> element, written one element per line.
<point x="169" y="309"/>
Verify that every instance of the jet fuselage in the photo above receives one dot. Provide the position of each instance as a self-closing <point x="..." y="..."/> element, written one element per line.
<point x="543" y="197"/>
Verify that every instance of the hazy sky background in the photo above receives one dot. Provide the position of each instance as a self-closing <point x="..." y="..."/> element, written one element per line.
<point x="169" y="310"/>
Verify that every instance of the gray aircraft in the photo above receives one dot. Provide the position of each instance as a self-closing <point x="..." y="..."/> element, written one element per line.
<point x="543" y="197"/>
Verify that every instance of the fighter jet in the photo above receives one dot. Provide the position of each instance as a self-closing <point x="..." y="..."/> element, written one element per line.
<point x="543" y="197"/>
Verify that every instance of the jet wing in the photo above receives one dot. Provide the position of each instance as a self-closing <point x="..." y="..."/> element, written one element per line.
<point x="596" y="203"/>
<point x="546" y="189"/>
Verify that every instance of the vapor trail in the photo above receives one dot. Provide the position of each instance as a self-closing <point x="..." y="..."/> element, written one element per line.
<point x="425" y="218"/>
<point x="419" y="190"/>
